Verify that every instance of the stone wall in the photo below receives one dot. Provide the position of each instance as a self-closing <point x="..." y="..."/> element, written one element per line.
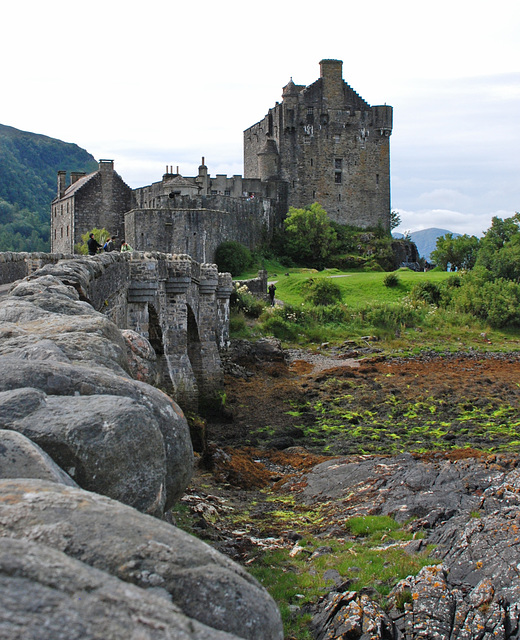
<point x="15" y="266"/>
<point x="257" y="286"/>
<point x="198" y="225"/>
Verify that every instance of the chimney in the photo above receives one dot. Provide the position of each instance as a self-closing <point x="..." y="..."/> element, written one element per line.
<point x="61" y="183"/>
<point x="76" y="175"/>
<point x="331" y="74"/>
<point x="106" y="165"/>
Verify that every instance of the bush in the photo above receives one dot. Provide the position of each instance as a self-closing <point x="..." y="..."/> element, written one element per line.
<point x="497" y="302"/>
<point x="391" y="317"/>
<point x="280" y="328"/>
<point x="391" y="280"/>
<point x="233" y="257"/>
<point x="101" y="235"/>
<point x="243" y="300"/>
<point x="322" y="292"/>
<point x="330" y="314"/>
<point x="428" y="292"/>
<point x="372" y="266"/>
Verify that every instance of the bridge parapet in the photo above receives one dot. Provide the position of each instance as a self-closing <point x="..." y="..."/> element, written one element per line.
<point x="179" y="305"/>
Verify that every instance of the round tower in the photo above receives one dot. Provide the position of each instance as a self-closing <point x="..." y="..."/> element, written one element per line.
<point x="268" y="161"/>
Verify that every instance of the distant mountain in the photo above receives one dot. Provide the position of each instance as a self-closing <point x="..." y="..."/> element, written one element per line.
<point x="426" y="239"/>
<point x="29" y="163"/>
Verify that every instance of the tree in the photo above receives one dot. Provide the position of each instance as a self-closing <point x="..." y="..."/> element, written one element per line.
<point x="499" y="251"/>
<point x="459" y="252"/>
<point x="310" y="237"/>
<point x="233" y="257"/>
<point x="101" y="235"/>
<point x="395" y="220"/>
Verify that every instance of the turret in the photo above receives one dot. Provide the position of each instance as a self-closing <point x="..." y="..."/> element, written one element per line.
<point x="268" y="161"/>
<point x="203" y="177"/>
<point x="382" y="119"/>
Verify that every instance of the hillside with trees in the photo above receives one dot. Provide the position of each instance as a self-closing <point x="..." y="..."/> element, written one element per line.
<point x="29" y="163"/>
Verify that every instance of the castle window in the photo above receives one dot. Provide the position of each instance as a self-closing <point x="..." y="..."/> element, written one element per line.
<point x="377" y="178"/>
<point x="337" y="138"/>
<point x="227" y="192"/>
<point x="338" y="163"/>
<point x="61" y="232"/>
<point x="312" y="162"/>
<point x="314" y="195"/>
<point x="339" y="197"/>
<point x="214" y="192"/>
<point x="337" y="177"/>
<point x="67" y="231"/>
<point x="68" y="206"/>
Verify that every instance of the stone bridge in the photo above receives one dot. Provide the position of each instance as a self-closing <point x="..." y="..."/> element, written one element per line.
<point x="179" y="305"/>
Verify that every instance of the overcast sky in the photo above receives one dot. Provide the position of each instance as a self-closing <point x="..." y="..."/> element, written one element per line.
<point x="164" y="83"/>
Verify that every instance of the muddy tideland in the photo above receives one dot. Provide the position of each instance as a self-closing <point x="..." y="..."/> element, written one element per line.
<point x="305" y="443"/>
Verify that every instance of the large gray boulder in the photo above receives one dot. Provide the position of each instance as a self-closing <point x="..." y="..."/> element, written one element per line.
<point x="141" y="550"/>
<point x="45" y="309"/>
<point x="68" y="381"/>
<point x="22" y="458"/>
<point x="108" y="444"/>
<point x="47" y="595"/>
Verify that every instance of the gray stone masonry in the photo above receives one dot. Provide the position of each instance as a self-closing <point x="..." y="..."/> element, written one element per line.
<point x="329" y="146"/>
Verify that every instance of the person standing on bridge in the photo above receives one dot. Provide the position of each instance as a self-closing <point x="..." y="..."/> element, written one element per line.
<point x="93" y="245"/>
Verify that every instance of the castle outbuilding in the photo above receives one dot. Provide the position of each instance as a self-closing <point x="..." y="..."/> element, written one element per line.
<point x="99" y="199"/>
<point x="329" y="146"/>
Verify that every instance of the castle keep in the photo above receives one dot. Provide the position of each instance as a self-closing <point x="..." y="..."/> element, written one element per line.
<point x="329" y="146"/>
<point x="323" y="144"/>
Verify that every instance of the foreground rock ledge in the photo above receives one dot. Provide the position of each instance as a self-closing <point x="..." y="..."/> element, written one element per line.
<point x="134" y="548"/>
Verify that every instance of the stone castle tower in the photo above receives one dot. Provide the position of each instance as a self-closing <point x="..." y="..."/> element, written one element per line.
<point x="330" y="146"/>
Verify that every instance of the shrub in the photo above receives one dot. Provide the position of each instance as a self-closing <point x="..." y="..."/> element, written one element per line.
<point x="331" y="314"/>
<point x="391" y="280"/>
<point x="497" y="302"/>
<point x="243" y="300"/>
<point x="427" y="291"/>
<point x="101" y="235"/>
<point x="372" y="266"/>
<point x="322" y="292"/>
<point x="233" y="257"/>
<point x="280" y="328"/>
<point x="391" y="316"/>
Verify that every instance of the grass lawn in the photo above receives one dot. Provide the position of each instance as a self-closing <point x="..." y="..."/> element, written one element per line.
<point x="369" y="308"/>
<point x="358" y="288"/>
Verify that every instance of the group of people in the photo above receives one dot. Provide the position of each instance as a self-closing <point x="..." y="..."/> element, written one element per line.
<point x="110" y="245"/>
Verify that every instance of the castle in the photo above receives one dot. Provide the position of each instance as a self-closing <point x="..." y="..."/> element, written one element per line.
<point x="323" y="143"/>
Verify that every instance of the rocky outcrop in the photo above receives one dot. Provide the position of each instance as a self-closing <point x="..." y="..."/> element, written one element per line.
<point x="46" y="594"/>
<point x="470" y="509"/>
<point x="134" y="548"/>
